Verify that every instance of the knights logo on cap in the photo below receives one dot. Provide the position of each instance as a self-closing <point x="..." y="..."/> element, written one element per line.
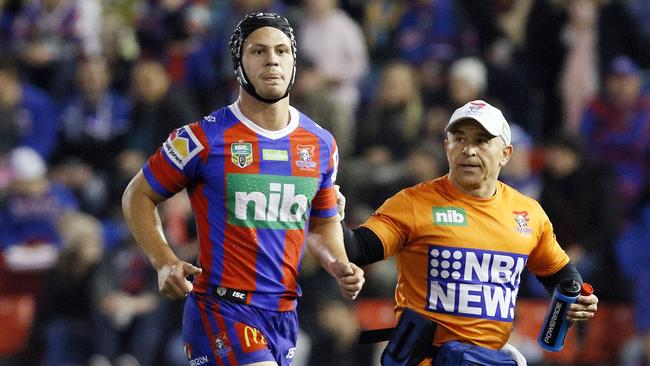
<point x="476" y="106"/>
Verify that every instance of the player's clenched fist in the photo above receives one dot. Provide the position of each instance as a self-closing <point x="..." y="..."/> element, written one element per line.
<point x="172" y="279"/>
<point x="349" y="277"/>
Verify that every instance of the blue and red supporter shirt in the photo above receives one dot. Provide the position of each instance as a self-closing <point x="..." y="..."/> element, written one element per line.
<point x="252" y="192"/>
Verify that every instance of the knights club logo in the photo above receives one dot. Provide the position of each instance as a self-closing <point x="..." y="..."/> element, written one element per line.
<point x="305" y="157"/>
<point x="521" y="219"/>
<point x="475" y="106"/>
<point x="242" y="154"/>
<point x="221" y="347"/>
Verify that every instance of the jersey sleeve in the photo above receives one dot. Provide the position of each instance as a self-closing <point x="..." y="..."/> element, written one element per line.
<point x="324" y="203"/>
<point x="547" y="257"/>
<point x="393" y="222"/>
<point x="178" y="162"/>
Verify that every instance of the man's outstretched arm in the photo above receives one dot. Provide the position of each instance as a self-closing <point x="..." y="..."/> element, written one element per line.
<point x="139" y="205"/>
<point x="362" y="246"/>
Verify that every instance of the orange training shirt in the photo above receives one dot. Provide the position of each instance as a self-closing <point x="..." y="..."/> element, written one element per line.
<point x="459" y="258"/>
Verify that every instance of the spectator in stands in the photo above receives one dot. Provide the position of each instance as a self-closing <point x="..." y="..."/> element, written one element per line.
<point x="518" y="173"/>
<point x="94" y="127"/>
<point x="158" y="107"/>
<point x="380" y="21"/>
<point x="310" y="96"/>
<point x="160" y="25"/>
<point x="468" y="79"/>
<point x="633" y="255"/>
<point x="95" y="120"/>
<point x="6" y="24"/>
<point x="49" y="37"/>
<point x="131" y="317"/>
<point x="579" y="196"/>
<point x="616" y="127"/>
<point x="25" y="112"/>
<point x="64" y="321"/>
<point x="428" y="36"/>
<point x="514" y="39"/>
<point x="395" y="115"/>
<point x="579" y="76"/>
<point x="328" y="30"/>
<point x="29" y="238"/>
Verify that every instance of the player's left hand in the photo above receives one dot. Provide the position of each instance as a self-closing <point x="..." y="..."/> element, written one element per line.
<point x="349" y="278"/>
<point x="583" y="309"/>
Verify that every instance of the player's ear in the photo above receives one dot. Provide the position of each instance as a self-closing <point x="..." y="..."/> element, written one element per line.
<point x="506" y="153"/>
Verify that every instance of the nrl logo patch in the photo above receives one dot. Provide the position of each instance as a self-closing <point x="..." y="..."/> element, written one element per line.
<point x="242" y="154"/>
<point x="221" y="291"/>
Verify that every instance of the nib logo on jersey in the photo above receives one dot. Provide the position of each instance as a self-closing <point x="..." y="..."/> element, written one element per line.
<point x="269" y="201"/>
<point x="472" y="282"/>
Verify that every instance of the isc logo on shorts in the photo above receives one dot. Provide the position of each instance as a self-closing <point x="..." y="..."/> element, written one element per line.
<point x="474" y="283"/>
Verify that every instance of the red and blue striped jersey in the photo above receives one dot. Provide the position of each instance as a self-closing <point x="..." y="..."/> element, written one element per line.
<point x="252" y="192"/>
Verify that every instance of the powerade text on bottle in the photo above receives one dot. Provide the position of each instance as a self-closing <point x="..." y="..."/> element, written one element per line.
<point x="555" y="325"/>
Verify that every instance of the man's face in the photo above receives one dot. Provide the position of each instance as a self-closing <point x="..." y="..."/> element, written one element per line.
<point x="94" y="77"/>
<point x="10" y="92"/>
<point x="268" y="61"/>
<point x="623" y="90"/>
<point x="475" y="156"/>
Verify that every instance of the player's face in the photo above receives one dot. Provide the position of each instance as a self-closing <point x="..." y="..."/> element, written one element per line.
<point x="268" y="61"/>
<point x="475" y="156"/>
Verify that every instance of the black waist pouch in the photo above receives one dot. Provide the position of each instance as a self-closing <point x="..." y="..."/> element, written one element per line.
<point x="411" y="341"/>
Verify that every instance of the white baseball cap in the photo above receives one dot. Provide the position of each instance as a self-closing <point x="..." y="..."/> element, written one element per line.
<point x="488" y="116"/>
<point x="26" y="164"/>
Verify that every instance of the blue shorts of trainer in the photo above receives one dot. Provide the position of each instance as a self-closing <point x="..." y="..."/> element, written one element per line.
<point x="223" y="333"/>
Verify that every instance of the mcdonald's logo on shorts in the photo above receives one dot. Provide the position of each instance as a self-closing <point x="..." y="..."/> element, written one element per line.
<point x="250" y="338"/>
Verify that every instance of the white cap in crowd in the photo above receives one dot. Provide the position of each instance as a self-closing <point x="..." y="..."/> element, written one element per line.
<point x="26" y="164"/>
<point x="471" y="70"/>
<point x="488" y="116"/>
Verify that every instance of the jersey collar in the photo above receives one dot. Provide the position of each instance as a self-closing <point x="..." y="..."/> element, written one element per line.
<point x="272" y="135"/>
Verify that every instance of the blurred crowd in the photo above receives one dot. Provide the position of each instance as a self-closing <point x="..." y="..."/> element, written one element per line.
<point x="90" y="88"/>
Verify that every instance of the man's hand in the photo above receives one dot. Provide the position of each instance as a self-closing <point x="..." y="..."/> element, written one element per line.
<point x="349" y="277"/>
<point x="340" y="202"/>
<point x="172" y="279"/>
<point x="584" y="309"/>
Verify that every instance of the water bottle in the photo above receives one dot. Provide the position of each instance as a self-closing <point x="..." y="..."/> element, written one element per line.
<point x="555" y="326"/>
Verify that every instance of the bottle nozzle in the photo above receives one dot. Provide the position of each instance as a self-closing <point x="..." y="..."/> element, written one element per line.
<point x="586" y="289"/>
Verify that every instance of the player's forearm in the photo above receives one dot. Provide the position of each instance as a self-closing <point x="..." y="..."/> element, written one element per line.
<point x="141" y="214"/>
<point x="325" y="243"/>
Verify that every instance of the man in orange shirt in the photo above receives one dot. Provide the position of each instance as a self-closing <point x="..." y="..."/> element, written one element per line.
<point x="462" y="240"/>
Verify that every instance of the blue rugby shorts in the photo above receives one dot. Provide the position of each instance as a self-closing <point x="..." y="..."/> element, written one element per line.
<point x="224" y="333"/>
